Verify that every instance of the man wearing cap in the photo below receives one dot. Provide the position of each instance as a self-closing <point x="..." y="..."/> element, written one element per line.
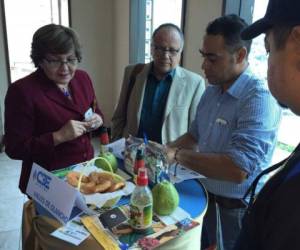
<point x="272" y="221"/>
<point x="233" y="135"/>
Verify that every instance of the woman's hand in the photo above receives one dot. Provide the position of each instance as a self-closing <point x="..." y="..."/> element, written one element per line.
<point x="94" y="123"/>
<point x="71" y="130"/>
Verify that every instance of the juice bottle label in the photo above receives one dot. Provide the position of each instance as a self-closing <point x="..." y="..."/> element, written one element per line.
<point x="140" y="216"/>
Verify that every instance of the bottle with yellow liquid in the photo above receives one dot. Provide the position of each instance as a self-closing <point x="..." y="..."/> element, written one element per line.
<point x="141" y="203"/>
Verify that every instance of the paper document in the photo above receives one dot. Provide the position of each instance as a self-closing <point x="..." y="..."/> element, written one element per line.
<point x="178" y="215"/>
<point x="117" y="148"/>
<point x="73" y="232"/>
<point x="180" y="173"/>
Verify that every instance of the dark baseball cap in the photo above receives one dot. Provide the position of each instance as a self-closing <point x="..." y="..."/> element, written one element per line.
<point x="278" y="12"/>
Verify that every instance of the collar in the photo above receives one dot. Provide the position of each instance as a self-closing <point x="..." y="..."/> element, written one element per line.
<point x="48" y="83"/>
<point x="237" y="88"/>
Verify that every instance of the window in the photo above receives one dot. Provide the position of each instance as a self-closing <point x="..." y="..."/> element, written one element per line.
<point x="289" y="134"/>
<point x="251" y="10"/>
<point x="31" y="15"/>
<point x="157" y="13"/>
<point x="146" y="16"/>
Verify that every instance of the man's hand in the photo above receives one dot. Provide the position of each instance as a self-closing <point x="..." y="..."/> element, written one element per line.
<point x="170" y="153"/>
<point x="71" y="130"/>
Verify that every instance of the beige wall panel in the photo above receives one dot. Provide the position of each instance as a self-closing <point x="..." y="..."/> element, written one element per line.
<point x="199" y="13"/>
<point x="103" y="26"/>
<point x="93" y="20"/>
<point x="121" y="44"/>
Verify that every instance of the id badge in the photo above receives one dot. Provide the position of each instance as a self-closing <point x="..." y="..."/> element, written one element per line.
<point x="88" y="114"/>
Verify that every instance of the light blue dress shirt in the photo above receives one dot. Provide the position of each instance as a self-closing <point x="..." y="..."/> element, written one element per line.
<point x="242" y="123"/>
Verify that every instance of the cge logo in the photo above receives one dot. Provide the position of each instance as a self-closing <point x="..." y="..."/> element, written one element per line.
<point x="42" y="179"/>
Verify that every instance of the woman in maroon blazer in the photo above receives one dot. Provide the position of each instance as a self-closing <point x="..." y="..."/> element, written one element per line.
<point x="49" y="113"/>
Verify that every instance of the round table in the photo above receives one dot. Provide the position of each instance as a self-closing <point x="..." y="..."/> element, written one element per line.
<point x="193" y="199"/>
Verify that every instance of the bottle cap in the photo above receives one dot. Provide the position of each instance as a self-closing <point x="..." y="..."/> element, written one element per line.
<point x="139" y="154"/>
<point x="142" y="178"/>
<point x="139" y="161"/>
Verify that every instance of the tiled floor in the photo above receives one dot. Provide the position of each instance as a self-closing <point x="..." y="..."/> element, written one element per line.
<point x="11" y="201"/>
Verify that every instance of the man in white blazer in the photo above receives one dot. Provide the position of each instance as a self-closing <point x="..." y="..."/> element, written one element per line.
<point x="158" y="99"/>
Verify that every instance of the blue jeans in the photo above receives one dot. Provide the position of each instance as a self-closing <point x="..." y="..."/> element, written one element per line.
<point x="221" y="226"/>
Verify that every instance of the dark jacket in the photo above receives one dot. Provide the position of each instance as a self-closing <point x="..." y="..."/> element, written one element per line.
<point x="273" y="221"/>
<point x="34" y="108"/>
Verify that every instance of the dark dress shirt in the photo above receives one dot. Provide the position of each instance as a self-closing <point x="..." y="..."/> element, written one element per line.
<point x="155" y="98"/>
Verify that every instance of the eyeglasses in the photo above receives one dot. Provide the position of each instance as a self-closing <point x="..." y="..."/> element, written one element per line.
<point x="161" y="50"/>
<point x="53" y="63"/>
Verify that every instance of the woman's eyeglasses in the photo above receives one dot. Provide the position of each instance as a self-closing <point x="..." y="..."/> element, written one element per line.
<point x="54" y="63"/>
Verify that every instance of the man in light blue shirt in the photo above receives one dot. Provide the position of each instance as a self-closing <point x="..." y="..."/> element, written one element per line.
<point x="233" y="136"/>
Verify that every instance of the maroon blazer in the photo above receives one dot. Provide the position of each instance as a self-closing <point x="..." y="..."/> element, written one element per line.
<point x="34" y="109"/>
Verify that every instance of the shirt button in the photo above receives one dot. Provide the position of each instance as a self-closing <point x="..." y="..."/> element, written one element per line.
<point x="84" y="155"/>
<point x="218" y="104"/>
<point x="82" y="140"/>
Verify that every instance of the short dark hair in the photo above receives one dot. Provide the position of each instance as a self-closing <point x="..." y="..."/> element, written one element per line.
<point x="54" y="39"/>
<point x="280" y="34"/>
<point x="170" y="26"/>
<point x="230" y="27"/>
